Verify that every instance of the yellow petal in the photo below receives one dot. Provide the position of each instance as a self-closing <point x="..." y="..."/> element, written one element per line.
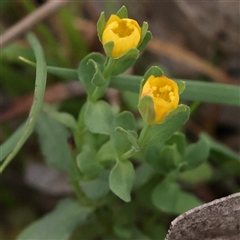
<point x="164" y="93"/>
<point x="125" y="33"/>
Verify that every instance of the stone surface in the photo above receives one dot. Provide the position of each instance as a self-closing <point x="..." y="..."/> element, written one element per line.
<point x="217" y="220"/>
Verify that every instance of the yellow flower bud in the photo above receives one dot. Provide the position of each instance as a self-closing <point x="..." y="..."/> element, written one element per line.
<point x="164" y="93"/>
<point x="125" y="33"/>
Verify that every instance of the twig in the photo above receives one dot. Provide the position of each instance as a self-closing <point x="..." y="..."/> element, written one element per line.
<point x="30" y="20"/>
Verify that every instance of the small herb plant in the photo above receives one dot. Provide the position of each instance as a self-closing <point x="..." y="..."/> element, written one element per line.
<point x="127" y="172"/>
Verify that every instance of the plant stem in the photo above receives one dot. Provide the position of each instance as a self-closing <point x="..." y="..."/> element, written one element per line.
<point x="109" y="66"/>
<point x="143" y="135"/>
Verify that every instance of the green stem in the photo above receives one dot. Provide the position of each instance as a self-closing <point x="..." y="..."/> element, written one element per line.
<point x="128" y="154"/>
<point x="84" y="201"/>
<point x="143" y="135"/>
<point x="194" y="107"/>
<point x="109" y="66"/>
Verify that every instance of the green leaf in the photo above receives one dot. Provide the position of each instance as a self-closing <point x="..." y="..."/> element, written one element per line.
<point x="146" y="109"/>
<point x="130" y="136"/>
<point x="181" y="86"/>
<point x="197" y="175"/>
<point x="53" y="142"/>
<point x="101" y="25"/>
<point x="143" y="174"/>
<point x="108" y="48"/>
<point x="144" y="30"/>
<point x="98" y="79"/>
<point x="148" y="36"/>
<point x="86" y="73"/>
<point x="121" y="180"/>
<point x="180" y="140"/>
<point x="64" y="118"/>
<point x="153" y="134"/>
<point x="123" y="142"/>
<point x="168" y="197"/>
<point x="125" y="61"/>
<point x="122" y="12"/>
<point x="152" y="156"/>
<point x="98" y="117"/>
<point x="178" y="109"/>
<point x="96" y="188"/>
<point x="166" y="161"/>
<point x="106" y="153"/>
<point x="40" y="84"/>
<point x="87" y="162"/>
<point x="196" y="154"/>
<point x="131" y="53"/>
<point x="169" y="158"/>
<point x="59" y="224"/>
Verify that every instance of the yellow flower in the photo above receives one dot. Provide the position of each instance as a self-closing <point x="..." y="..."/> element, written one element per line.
<point x="164" y="93"/>
<point x="125" y="33"/>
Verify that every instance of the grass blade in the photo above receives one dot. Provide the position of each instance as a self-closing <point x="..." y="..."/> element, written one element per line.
<point x="40" y="83"/>
<point x="195" y="90"/>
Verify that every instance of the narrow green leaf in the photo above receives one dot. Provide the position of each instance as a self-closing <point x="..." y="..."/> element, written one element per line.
<point x="40" y="84"/>
<point x="100" y="25"/>
<point x="121" y="179"/>
<point x="122" y="12"/>
<point x="59" y="224"/>
<point x="148" y="36"/>
<point x="98" y="117"/>
<point x="9" y="145"/>
<point x="218" y="147"/>
<point x="144" y="29"/>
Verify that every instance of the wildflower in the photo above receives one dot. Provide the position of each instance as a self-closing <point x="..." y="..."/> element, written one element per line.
<point x="164" y="95"/>
<point x="124" y="32"/>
